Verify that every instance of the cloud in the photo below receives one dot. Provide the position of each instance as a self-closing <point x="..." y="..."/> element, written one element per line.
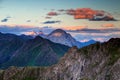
<point x="70" y="28"/>
<point x="17" y="29"/>
<point x="51" y="22"/>
<point x="4" y="20"/>
<point x="48" y="17"/>
<point x="52" y="13"/>
<point x="87" y="30"/>
<point x="109" y="25"/>
<point x="81" y="34"/>
<point x="8" y="17"/>
<point x="28" y="21"/>
<point x="25" y="29"/>
<point x="95" y="34"/>
<point x="92" y="15"/>
<point x="85" y="13"/>
<point x="32" y="33"/>
<point x="70" y="12"/>
<point x="61" y="10"/>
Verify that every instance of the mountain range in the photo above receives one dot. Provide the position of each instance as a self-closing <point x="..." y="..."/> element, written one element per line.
<point x="37" y="50"/>
<point x="99" y="61"/>
<point x="62" y="37"/>
<point x="27" y="51"/>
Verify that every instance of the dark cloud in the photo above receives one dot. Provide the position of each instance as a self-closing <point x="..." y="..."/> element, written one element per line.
<point x="70" y="12"/>
<point x="86" y="30"/>
<point x="28" y="21"/>
<point x="102" y="18"/>
<point x="51" y="22"/>
<point x="47" y="27"/>
<point x="61" y="10"/>
<point x="8" y="17"/>
<point x="4" y="20"/>
<point x="95" y="34"/>
<point x="48" y="17"/>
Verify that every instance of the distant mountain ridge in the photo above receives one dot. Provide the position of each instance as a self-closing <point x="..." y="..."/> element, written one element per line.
<point x="23" y="51"/>
<point x="62" y="37"/>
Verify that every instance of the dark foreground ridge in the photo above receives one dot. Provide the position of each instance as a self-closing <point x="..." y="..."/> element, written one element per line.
<point x="22" y="51"/>
<point x="94" y="62"/>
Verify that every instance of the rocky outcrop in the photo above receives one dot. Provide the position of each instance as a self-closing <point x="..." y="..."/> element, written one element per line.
<point x="94" y="62"/>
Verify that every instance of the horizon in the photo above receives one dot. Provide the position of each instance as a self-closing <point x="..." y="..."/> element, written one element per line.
<point x="20" y="17"/>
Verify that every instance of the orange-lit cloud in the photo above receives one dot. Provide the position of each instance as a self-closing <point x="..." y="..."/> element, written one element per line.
<point x="32" y="33"/>
<point x="95" y="15"/>
<point x="74" y="27"/>
<point x="86" y="13"/>
<point x="109" y="25"/>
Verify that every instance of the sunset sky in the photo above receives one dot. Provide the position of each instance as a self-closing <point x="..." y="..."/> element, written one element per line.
<point x="31" y="15"/>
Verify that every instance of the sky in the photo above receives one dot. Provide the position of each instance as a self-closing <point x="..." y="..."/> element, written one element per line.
<point x="20" y="16"/>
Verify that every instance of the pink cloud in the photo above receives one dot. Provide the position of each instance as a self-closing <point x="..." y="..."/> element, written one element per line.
<point x="75" y="27"/>
<point x="52" y="14"/>
<point x="109" y="25"/>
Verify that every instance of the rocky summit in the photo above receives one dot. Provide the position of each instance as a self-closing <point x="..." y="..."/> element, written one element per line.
<point x="95" y="62"/>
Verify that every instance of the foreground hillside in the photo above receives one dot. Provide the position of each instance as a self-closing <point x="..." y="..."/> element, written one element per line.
<point x="22" y="51"/>
<point x="94" y="62"/>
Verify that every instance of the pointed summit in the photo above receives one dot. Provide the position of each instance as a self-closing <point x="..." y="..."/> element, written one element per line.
<point x="59" y="30"/>
<point x="58" y="33"/>
<point x="62" y="37"/>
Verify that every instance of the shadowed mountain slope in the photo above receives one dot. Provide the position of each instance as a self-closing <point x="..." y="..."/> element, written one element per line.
<point x="15" y="51"/>
<point x="94" y="62"/>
